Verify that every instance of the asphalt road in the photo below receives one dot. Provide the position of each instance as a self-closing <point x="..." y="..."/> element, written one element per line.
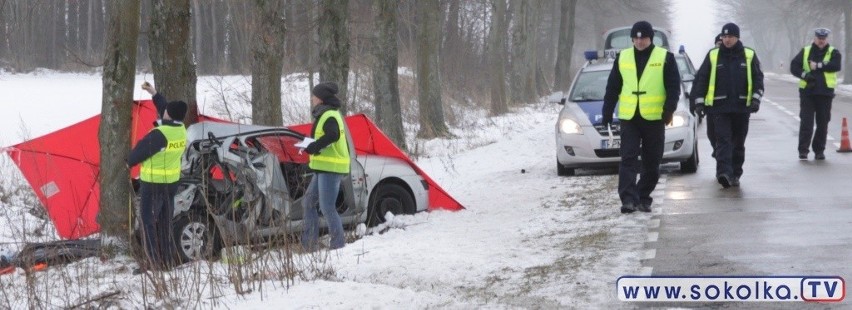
<point x="789" y="217"/>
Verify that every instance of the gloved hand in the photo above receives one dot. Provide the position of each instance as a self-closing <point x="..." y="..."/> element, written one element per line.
<point x="313" y="148"/>
<point x="699" y="110"/>
<point x="809" y="77"/>
<point x="667" y="117"/>
<point x="755" y="106"/>
<point x="607" y="120"/>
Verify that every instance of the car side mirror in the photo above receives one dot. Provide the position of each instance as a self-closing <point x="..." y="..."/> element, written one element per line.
<point x="688" y="77"/>
<point x="556" y="97"/>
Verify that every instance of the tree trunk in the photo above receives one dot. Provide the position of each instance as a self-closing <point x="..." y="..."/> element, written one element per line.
<point x="847" y="17"/>
<point x="385" y="78"/>
<point x="497" y="57"/>
<point x="267" y="58"/>
<point x="333" y="31"/>
<point x="169" y="46"/>
<point x="114" y="132"/>
<point x="562" y="78"/>
<point x="523" y="85"/>
<point x="452" y="51"/>
<point x="428" y="71"/>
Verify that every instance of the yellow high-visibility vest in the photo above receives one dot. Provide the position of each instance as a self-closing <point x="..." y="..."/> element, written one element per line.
<point x="711" y="87"/>
<point x="335" y="157"/>
<point x="648" y="92"/>
<point x="164" y="167"/>
<point x="830" y="77"/>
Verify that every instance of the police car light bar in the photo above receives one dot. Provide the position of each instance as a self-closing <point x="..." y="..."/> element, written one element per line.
<point x="681" y="50"/>
<point x="590" y="55"/>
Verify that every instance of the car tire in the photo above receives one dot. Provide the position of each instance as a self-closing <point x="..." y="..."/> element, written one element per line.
<point x="563" y="171"/>
<point x="196" y="237"/>
<point x="389" y="197"/>
<point x="690" y="165"/>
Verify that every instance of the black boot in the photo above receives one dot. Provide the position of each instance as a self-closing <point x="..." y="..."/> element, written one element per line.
<point x="724" y="179"/>
<point x="628" y="208"/>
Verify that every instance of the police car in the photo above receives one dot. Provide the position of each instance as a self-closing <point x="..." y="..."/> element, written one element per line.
<point x="583" y="142"/>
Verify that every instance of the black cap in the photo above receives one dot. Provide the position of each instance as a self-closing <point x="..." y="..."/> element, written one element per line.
<point x="731" y="29"/>
<point x="325" y="90"/>
<point x="717" y="39"/>
<point x="642" y="29"/>
<point x="176" y="110"/>
<point x="822" y="32"/>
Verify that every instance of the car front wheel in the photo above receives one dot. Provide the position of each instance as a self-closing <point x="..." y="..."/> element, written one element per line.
<point x="563" y="171"/>
<point x="391" y="198"/>
<point x="195" y="237"/>
<point x="690" y="165"/>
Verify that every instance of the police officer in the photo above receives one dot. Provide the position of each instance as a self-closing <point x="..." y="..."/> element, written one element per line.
<point x="711" y="133"/>
<point x="816" y="66"/>
<point x="646" y="85"/>
<point x="729" y="89"/>
<point x="159" y="152"/>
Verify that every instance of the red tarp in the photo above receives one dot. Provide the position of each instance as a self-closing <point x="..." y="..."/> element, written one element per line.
<point x="62" y="167"/>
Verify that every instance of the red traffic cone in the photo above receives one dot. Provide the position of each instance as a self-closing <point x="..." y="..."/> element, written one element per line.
<point x="844" y="139"/>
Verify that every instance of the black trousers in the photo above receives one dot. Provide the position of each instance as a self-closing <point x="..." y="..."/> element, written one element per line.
<point x="156" y="209"/>
<point x="813" y="107"/>
<point x="731" y="130"/>
<point x="646" y="138"/>
<point x="711" y="133"/>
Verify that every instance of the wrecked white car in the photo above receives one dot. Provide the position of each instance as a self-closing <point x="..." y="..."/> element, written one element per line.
<point x="244" y="183"/>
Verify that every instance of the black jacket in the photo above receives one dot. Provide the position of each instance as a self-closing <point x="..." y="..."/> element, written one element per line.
<point x="671" y="81"/>
<point x="330" y="127"/>
<point x="731" y="80"/>
<point x="818" y="86"/>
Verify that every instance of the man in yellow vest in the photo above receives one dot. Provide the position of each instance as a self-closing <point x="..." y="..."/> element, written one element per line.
<point x="160" y="153"/>
<point x="816" y="66"/>
<point x="728" y="87"/>
<point x="329" y="159"/>
<point x="645" y="83"/>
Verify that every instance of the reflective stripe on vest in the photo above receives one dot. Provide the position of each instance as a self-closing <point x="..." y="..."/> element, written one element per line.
<point x="335" y="157"/>
<point x="164" y="167"/>
<point x="830" y="77"/>
<point x="711" y="86"/>
<point x="648" y="92"/>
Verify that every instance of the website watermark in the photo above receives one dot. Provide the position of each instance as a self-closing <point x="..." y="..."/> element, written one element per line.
<point x="731" y="288"/>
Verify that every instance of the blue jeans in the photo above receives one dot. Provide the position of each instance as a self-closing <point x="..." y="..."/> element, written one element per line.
<point x="324" y="187"/>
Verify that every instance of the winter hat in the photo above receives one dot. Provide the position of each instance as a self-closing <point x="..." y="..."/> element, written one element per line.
<point x="822" y="32"/>
<point x="325" y="90"/>
<point x="717" y="39"/>
<point x="642" y="29"/>
<point x="177" y="110"/>
<point x="731" y="29"/>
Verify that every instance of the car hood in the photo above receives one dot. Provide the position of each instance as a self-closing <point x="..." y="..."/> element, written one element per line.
<point x="593" y="109"/>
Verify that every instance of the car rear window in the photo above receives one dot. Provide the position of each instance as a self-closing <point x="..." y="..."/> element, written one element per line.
<point x="590" y="86"/>
<point x="682" y="66"/>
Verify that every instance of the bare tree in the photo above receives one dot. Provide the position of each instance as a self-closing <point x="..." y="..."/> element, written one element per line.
<point x="523" y="77"/>
<point x="385" y="77"/>
<point x="428" y="71"/>
<point x="267" y="57"/>
<point x="114" y="132"/>
<point x="497" y="57"/>
<point x="333" y="31"/>
<point x="171" y="55"/>
<point x="562" y="79"/>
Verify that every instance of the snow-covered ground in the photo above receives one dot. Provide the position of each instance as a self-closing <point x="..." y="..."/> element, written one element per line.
<point x="527" y="239"/>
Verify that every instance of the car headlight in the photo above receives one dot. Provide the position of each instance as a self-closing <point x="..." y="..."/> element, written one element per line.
<point x="569" y="126"/>
<point x="679" y="119"/>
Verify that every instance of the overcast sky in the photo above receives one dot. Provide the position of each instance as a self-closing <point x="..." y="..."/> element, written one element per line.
<point x="694" y="25"/>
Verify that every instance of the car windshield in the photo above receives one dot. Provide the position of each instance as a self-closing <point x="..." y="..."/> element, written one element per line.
<point x="620" y="39"/>
<point x="590" y="86"/>
<point x="682" y="66"/>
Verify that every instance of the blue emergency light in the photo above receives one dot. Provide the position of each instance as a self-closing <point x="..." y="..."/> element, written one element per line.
<point x="681" y="50"/>
<point x="590" y="55"/>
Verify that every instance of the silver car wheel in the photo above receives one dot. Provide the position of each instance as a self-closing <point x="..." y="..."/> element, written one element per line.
<point x="192" y="241"/>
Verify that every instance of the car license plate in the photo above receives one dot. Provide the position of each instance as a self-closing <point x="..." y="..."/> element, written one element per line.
<point x="616" y="143"/>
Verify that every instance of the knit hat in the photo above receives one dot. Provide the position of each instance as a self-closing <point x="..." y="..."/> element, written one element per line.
<point x="325" y="90"/>
<point x="731" y="29"/>
<point x="176" y="110"/>
<point x="642" y="29"/>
